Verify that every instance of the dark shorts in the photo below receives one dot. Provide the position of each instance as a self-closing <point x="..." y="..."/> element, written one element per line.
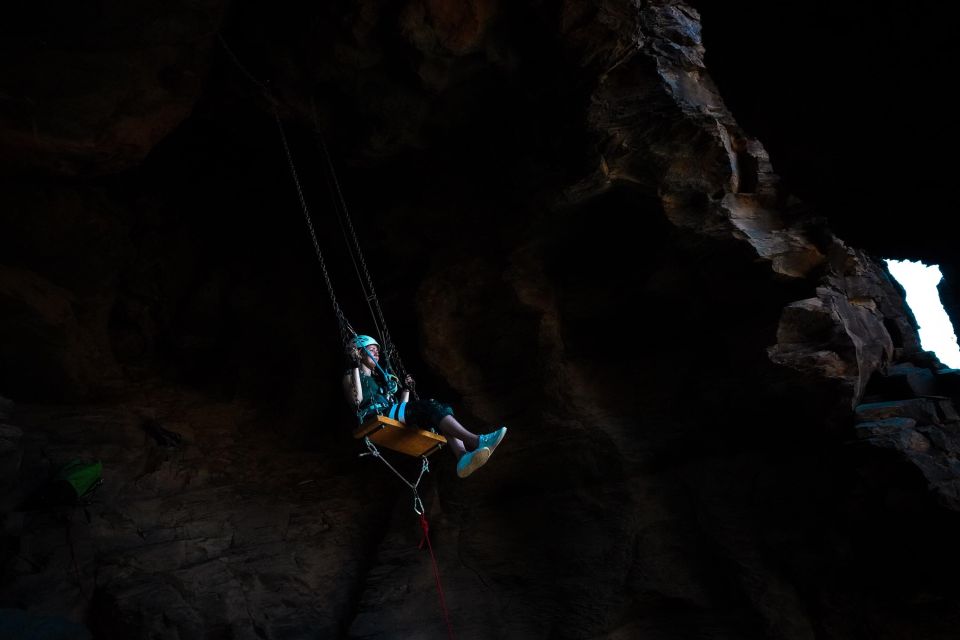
<point x="427" y="413"/>
<point x="424" y="414"/>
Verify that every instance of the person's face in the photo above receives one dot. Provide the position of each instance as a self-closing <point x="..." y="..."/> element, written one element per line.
<point x="372" y="355"/>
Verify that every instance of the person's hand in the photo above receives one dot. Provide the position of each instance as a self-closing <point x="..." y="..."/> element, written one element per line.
<point x="392" y="384"/>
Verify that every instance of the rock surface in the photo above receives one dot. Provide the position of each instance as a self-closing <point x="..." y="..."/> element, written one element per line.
<point x="96" y="99"/>
<point x="210" y="534"/>
<point x="722" y="422"/>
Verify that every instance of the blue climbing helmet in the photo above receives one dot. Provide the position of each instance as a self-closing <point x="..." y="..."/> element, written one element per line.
<point x="362" y="342"/>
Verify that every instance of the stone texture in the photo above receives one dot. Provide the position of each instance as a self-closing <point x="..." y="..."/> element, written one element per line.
<point x="51" y="355"/>
<point x="920" y="381"/>
<point x="11" y="453"/>
<point x="208" y="535"/>
<point x="96" y="100"/>
<point x="921" y="410"/>
<point x="566" y="219"/>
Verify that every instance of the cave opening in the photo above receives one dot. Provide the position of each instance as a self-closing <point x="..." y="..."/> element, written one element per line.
<point x="921" y="283"/>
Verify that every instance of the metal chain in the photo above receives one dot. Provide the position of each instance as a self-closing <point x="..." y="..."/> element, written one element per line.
<point x="393" y="355"/>
<point x="334" y="186"/>
<point x="346" y="331"/>
<point x="252" y="78"/>
<point x="424" y="468"/>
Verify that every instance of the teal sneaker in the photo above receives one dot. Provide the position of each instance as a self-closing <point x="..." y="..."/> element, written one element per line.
<point x="492" y="439"/>
<point x="470" y="462"/>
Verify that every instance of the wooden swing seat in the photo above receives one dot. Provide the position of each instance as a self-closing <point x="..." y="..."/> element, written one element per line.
<point x="394" y="435"/>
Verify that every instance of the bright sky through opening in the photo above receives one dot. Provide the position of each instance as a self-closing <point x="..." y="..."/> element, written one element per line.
<point x="936" y="332"/>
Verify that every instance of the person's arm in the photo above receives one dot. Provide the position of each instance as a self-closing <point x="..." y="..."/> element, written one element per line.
<point x="352" y="388"/>
<point x="407" y="388"/>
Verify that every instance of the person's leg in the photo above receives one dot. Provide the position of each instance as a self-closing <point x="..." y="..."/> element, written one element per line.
<point x="449" y="427"/>
<point x="464" y="444"/>
<point x="456" y="447"/>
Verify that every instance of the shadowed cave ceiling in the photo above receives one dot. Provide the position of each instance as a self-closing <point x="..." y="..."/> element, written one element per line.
<point x="646" y="236"/>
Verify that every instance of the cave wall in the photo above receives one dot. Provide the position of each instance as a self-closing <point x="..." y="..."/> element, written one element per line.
<point x="574" y="236"/>
<point x="840" y="119"/>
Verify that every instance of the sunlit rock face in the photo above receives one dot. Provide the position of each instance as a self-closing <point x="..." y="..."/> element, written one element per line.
<point x="721" y="421"/>
<point x="835" y="114"/>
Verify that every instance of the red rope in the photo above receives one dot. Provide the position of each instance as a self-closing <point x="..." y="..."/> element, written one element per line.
<point x="436" y="572"/>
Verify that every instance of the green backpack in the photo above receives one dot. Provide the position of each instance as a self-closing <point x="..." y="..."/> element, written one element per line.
<point x="84" y="477"/>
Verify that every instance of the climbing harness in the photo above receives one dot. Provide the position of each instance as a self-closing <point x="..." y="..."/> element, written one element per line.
<point x="389" y="379"/>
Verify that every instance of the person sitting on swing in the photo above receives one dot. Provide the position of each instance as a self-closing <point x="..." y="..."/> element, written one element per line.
<point x="370" y="388"/>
